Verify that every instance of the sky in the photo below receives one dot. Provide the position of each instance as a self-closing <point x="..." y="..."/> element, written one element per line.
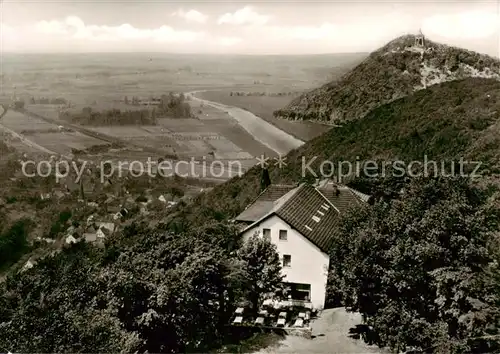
<point x="236" y="27"/>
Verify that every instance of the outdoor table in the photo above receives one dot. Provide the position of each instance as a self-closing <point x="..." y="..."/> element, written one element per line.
<point x="239" y="310"/>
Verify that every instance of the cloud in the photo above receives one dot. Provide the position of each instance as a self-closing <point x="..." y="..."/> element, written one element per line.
<point x="464" y="25"/>
<point x="192" y="16"/>
<point x="75" y="27"/>
<point x="304" y="32"/>
<point x="228" y="41"/>
<point x="51" y="27"/>
<point x="244" y="16"/>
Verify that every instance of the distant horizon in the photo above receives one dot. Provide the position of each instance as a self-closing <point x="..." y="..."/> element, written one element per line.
<point x="190" y="53"/>
<point x="226" y="54"/>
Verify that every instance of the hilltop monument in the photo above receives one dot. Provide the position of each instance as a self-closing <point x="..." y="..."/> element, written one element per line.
<point x="420" y="40"/>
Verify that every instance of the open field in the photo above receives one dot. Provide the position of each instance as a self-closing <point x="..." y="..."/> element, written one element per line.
<point x="47" y="110"/>
<point x="205" y="112"/>
<point x="183" y="137"/>
<point x="47" y="135"/>
<point x="216" y="133"/>
<point x="263" y="107"/>
<point x="14" y="142"/>
<point x="19" y="122"/>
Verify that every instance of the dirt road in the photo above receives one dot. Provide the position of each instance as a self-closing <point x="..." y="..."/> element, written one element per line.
<point x="264" y="132"/>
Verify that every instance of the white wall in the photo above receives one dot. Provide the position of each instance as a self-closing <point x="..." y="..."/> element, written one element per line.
<point x="309" y="264"/>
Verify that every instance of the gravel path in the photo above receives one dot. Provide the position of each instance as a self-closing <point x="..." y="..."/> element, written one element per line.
<point x="264" y="132"/>
<point x="330" y="335"/>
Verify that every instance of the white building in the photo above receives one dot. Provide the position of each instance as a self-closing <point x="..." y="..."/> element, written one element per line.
<point x="300" y="221"/>
<point x="70" y="239"/>
<point x="28" y="265"/>
<point x="105" y="229"/>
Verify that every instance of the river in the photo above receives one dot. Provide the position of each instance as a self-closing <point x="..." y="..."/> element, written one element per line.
<point x="267" y="134"/>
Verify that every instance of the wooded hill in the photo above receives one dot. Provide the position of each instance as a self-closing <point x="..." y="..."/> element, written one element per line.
<point x="391" y="72"/>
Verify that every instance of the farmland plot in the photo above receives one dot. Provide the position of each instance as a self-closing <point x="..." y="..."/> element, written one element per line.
<point x="179" y="125"/>
<point x="225" y="149"/>
<point x="207" y="113"/>
<point x="64" y="142"/>
<point x="47" y="110"/>
<point x="47" y="134"/>
<point x="19" y="122"/>
<point x="16" y="143"/>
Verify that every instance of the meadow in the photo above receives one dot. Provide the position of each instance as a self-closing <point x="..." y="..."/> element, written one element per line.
<point x="47" y="135"/>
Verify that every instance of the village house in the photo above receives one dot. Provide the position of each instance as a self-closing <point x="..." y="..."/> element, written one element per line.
<point x="120" y="214"/>
<point x="59" y="194"/>
<point x="28" y="265"/>
<point x="301" y="221"/>
<point x="104" y="229"/>
<point x="45" y="196"/>
<point x="71" y="239"/>
<point x="93" y="204"/>
<point x="90" y="237"/>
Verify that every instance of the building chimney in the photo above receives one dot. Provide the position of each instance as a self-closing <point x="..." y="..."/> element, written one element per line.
<point x="336" y="191"/>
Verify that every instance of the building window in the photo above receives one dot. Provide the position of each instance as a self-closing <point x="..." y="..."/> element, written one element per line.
<point x="301" y="292"/>
<point x="287" y="260"/>
<point x="283" y="235"/>
<point x="267" y="234"/>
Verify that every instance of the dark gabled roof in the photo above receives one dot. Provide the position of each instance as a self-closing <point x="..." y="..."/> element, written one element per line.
<point x="343" y="198"/>
<point x="264" y="202"/>
<point x="307" y="211"/>
<point x="314" y="212"/>
<point x="275" y="191"/>
<point x="255" y="211"/>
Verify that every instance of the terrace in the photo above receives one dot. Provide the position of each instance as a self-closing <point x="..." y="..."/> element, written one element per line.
<point x="292" y="316"/>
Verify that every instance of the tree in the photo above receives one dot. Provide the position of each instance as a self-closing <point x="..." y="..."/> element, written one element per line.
<point x="262" y="267"/>
<point x="13" y="242"/>
<point x="265" y="180"/>
<point x="87" y="111"/>
<point x="418" y="268"/>
<point x="19" y="104"/>
<point x="55" y="307"/>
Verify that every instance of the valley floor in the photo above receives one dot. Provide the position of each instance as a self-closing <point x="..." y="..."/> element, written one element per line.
<point x="276" y="139"/>
<point x="263" y="107"/>
<point x="330" y="335"/>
